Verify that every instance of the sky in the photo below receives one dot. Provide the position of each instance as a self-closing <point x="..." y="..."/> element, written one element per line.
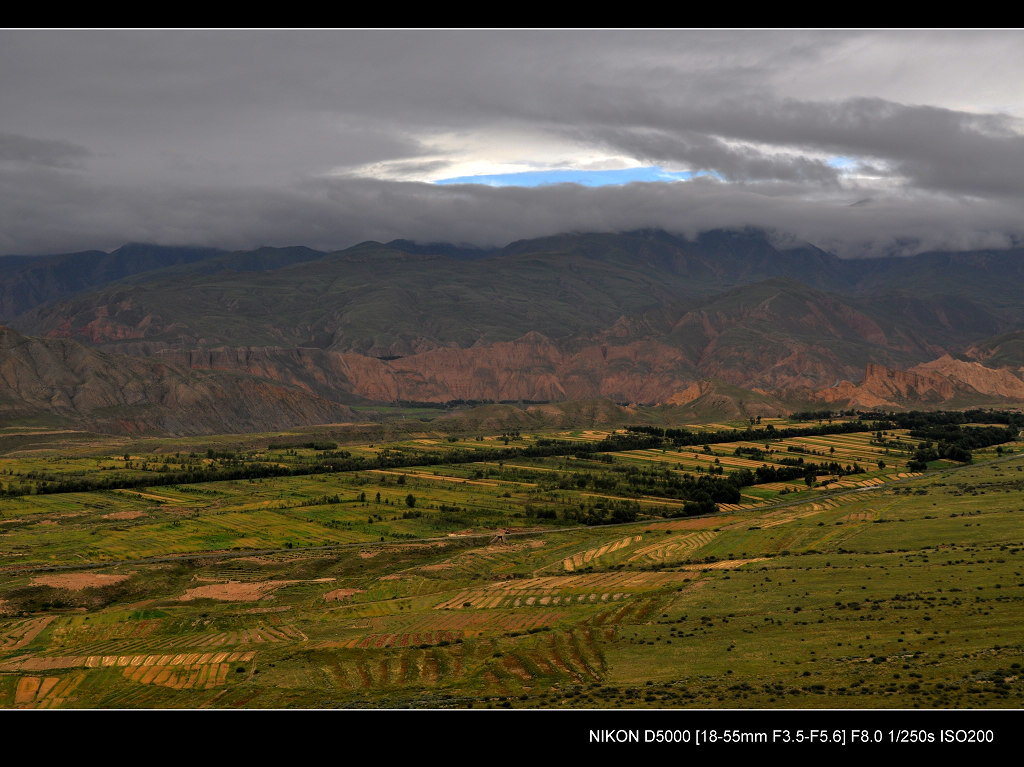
<point x="864" y="143"/>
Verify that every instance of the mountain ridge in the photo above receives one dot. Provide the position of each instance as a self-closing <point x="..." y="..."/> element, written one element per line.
<point x="641" y="317"/>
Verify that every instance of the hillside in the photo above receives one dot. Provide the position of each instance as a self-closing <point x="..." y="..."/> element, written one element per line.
<point x="63" y="382"/>
<point x="640" y="317"/>
<point x="27" y="282"/>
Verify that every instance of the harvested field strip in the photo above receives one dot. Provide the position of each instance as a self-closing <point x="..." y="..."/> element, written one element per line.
<point x="636" y="611"/>
<point x="725" y="564"/>
<point x="578" y="560"/>
<point x="857" y="497"/>
<point x="692" y="524"/>
<point x="109" y="647"/>
<point x="861" y="516"/>
<point x="565" y="654"/>
<point x="557" y="660"/>
<point x="60" y="692"/>
<point x="731" y="446"/>
<point x="133" y="661"/>
<point x="520" y="466"/>
<point x="182" y="676"/>
<point x="585" y="582"/>
<point x="27" y="688"/>
<point x="153" y="496"/>
<point x="78" y="581"/>
<point x="579" y="599"/>
<point x="132" y="637"/>
<point x="561" y="590"/>
<point x="870" y="482"/>
<point x="259" y="635"/>
<point x="402" y="639"/>
<point x="410" y="666"/>
<point x="456" y="480"/>
<point x="518" y="666"/>
<point x="728" y="461"/>
<point x="791" y="516"/>
<point x="651" y="500"/>
<point x="48" y="692"/>
<point x="653" y="454"/>
<point x="241" y="591"/>
<point x="501" y="620"/>
<point x="841" y="442"/>
<point x="587" y="651"/>
<point x="679" y="547"/>
<point x="840" y="483"/>
<point x="485" y="561"/>
<point x="23" y="632"/>
<point x="791" y="487"/>
<point x="449" y="628"/>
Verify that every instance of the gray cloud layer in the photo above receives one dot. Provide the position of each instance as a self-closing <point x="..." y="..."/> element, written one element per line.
<point x="245" y="138"/>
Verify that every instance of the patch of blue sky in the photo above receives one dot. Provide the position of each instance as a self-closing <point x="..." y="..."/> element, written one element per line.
<point x="581" y="177"/>
<point x="841" y="161"/>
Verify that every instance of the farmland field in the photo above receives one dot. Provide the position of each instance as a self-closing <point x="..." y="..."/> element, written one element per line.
<point x="512" y="570"/>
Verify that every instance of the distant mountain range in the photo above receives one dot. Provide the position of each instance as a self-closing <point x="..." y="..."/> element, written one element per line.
<point x="730" y="317"/>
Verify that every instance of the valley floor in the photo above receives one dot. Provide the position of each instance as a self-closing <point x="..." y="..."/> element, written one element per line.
<point x="470" y="585"/>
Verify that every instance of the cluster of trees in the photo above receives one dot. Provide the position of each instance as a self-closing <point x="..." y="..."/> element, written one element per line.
<point x="661" y="483"/>
<point x="923" y="419"/>
<point x="825" y="415"/>
<point x="326" y="499"/>
<point x="754" y="453"/>
<point x="946" y="435"/>
<point x="604" y="511"/>
<point x="314" y="445"/>
<point x="791" y="468"/>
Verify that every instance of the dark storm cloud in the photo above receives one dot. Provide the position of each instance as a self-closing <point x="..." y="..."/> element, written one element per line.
<point x="703" y="152"/>
<point x="34" y="151"/>
<point x="241" y="138"/>
<point x="58" y="212"/>
<point x="931" y="148"/>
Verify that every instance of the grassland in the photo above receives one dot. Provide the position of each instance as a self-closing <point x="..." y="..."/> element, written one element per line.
<point x="473" y="584"/>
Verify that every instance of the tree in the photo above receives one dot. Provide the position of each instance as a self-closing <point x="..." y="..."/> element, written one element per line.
<point x="410" y="500"/>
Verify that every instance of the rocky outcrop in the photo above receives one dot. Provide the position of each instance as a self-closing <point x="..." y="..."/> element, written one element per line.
<point x="940" y="381"/>
<point x="884" y="386"/>
<point x="975" y="376"/>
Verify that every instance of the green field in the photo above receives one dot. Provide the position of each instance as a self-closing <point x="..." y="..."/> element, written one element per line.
<point x="476" y="583"/>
